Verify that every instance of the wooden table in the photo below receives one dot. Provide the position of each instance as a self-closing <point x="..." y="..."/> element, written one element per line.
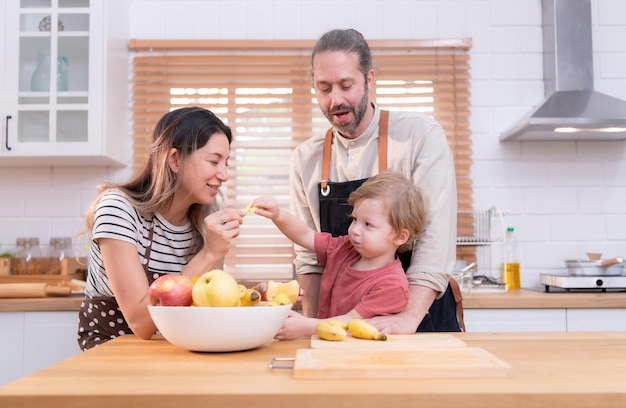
<point x="549" y="370"/>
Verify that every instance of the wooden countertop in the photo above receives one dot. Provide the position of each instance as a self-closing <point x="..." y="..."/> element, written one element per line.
<point x="549" y="369"/>
<point x="530" y="299"/>
<point x="513" y="299"/>
<point x="62" y="303"/>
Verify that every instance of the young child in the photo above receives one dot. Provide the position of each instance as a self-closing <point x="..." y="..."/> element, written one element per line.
<point x="362" y="276"/>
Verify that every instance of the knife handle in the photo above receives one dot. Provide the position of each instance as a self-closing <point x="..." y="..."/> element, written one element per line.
<point x="612" y="261"/>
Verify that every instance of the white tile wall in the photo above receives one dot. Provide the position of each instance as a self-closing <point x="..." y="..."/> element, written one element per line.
<point x="563" y="198"/>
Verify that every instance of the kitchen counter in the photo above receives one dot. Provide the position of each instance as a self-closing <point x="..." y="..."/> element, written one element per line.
<point x="531" y="299"/>
<point x="549" y="369"/>
<point x="513" y="299"/>
<point x="43" y="304"/>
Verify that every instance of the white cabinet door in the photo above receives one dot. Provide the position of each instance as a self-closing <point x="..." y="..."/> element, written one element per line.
<point x="515" y="320"/>
<point x="49" y="337"/>
<point x="30" y="341"/>
<point x="56" y="83"/>
<point x="11" y="346"/>
<point x="596" y="319"/>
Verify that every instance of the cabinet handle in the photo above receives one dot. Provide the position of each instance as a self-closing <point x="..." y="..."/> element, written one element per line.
<point x="6" y="140"/>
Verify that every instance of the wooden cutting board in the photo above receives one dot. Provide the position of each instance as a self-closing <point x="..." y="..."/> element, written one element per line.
<point x="394" y="341"/>
<point x="32" y="290"/>
<point x="450" y="362"/>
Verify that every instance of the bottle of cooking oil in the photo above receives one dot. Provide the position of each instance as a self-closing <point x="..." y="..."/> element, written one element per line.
<point x="511" y="266"/>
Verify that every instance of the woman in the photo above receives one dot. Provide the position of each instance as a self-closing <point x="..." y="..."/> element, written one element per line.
<point x="165" y="220"/>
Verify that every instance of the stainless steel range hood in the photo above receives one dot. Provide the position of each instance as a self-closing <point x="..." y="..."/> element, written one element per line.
<point x="572" y="110"/>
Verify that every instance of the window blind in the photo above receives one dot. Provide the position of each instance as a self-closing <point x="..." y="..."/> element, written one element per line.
<point x="262" y="90"/>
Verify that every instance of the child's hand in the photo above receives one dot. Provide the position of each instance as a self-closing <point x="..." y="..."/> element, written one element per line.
<point x="296" y="326"/>
<point x="264" y="206"/>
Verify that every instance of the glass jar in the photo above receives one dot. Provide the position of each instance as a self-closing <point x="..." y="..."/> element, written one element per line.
<point x="27" y="259"/>
<point x="60" y="249"/>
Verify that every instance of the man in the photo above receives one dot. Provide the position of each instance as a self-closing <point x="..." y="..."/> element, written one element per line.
<point x="321" y="179"/>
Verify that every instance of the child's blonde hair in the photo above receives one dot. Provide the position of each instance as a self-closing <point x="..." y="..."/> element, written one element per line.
<point x="406" y="206"/>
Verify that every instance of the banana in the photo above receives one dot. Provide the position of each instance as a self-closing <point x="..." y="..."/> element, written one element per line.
<point x="250" y="298"/>
<point x="363" y="330"/>
<point x="250" y="209"/>
<point x="338" y="323"/>
<point x="326" y="330"/>
<point x="242" y="290"/>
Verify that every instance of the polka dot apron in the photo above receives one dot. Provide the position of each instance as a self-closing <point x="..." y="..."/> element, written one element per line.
<point x="100" y="318"/>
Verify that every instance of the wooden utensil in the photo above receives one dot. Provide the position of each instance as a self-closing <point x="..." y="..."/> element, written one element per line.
<point x="594" y="256"/>
<point x="612" y="261"/>
<point x="32" y="290"/>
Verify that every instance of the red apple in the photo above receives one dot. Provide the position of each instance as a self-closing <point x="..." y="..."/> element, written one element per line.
<point x="170" y="290"/>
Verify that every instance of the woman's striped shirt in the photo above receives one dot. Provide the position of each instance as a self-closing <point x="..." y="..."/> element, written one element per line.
<point x="116" y="218"/>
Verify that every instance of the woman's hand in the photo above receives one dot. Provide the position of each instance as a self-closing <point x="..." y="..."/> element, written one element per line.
<point x="222" y="227"/>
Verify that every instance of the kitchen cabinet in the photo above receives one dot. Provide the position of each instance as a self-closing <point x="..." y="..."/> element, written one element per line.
<point x="515" y="320"/>
<point x="65" y="85"/>
<point x="596" y="320"/>
<point x="545" y="320"/>
<point x="31" y="341"/>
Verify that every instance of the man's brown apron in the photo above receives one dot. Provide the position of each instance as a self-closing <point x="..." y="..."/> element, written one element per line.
<point x="334" y="219"/>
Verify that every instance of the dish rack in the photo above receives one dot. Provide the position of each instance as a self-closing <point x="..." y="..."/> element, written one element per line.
<point x="478" y="233"/>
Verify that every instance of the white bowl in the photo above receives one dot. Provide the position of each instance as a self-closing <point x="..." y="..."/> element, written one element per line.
<point x="218" y="329"/>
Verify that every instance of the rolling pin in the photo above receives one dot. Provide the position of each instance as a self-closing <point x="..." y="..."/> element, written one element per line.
<point x="32" y="290"/>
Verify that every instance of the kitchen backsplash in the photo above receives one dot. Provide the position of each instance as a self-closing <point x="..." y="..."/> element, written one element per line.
<point x="46" y="202"/>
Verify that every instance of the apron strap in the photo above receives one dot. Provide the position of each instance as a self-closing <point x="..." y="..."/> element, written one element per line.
<point x="383" y="126"/>
<point x="458" y="299"/>
<point x="149" y="248"/>
<point x="326" y="161"/>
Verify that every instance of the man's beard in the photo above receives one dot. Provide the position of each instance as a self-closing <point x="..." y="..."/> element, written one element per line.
<point x="358" y="115"/>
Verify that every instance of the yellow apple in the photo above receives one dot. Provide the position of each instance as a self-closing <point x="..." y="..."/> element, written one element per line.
<point x="280" y="299"/>
<point x="216" y="288"/>
<point x="291" y="289"/>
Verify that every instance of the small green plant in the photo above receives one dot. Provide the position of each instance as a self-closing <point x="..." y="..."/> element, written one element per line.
<point x="6" y="255"/>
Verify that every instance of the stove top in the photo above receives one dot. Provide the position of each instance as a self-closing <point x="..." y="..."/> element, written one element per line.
<point x="584" y="283"/>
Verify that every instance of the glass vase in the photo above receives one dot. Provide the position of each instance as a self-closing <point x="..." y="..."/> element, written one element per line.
<point x="40" y="80"/>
